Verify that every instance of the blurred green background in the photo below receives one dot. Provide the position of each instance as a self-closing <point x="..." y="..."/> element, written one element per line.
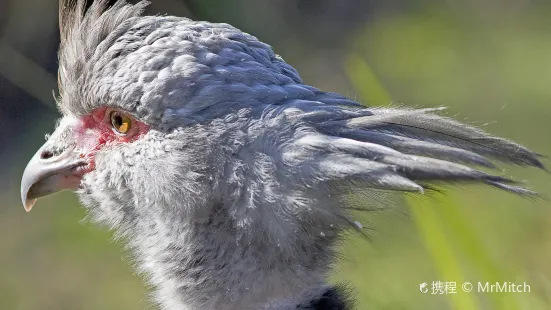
<point x="488" y="61"/>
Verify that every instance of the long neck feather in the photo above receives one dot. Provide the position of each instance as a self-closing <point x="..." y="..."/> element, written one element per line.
<point x="202" y="265"/>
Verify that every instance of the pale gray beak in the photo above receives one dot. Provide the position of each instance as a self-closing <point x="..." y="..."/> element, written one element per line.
<point x="50" y="171"/>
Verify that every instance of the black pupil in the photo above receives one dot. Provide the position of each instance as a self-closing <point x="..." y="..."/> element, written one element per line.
<point x="117" y="121"/>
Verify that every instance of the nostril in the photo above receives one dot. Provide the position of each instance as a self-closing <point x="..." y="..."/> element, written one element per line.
<point x="46" y="155"/>
<point x="51" y="152"/>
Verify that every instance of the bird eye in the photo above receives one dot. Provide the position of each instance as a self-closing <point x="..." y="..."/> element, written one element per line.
<point x="121" y="122"/>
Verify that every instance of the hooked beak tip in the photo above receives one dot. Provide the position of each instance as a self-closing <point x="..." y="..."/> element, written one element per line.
<point x="28" y="204"/>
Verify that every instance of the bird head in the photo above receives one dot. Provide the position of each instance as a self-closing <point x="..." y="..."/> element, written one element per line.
<point x="149" y="105"/>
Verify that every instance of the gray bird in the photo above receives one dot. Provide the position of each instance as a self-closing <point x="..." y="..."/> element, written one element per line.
<point x="224" y="172"/>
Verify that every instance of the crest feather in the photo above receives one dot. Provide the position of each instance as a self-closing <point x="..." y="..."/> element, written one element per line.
<point x="82" y="31"/>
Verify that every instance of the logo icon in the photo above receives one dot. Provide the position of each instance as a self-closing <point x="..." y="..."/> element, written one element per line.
<point x="423" y="287"/>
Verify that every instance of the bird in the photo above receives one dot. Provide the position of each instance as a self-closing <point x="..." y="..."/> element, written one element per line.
<point x="226" y="174"/>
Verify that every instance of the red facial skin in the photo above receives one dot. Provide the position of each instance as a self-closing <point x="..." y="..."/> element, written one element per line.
<point x="95" y="131"/>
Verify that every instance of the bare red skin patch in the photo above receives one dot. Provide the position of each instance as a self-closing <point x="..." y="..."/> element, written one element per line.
<point x="95" y="130"/>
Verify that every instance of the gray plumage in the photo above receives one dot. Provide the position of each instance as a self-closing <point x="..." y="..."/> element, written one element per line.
<point x="234" y="197"/>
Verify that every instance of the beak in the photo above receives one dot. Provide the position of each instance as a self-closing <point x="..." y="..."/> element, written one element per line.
<point x="49" y="171"/>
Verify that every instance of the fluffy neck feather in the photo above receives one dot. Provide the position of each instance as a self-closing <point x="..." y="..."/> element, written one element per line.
<point x="200" y="264"/>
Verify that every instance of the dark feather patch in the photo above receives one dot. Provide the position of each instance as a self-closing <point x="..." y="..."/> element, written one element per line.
<point x="334" y="298"/>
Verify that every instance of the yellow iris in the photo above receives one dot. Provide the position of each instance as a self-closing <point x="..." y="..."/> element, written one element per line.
<point x="120" y="122"/>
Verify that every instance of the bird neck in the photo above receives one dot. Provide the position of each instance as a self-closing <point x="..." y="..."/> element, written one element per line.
<point x="202" y="264"/>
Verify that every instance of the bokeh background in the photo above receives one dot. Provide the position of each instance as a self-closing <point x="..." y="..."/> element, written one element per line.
<point x="488" y="61"/>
